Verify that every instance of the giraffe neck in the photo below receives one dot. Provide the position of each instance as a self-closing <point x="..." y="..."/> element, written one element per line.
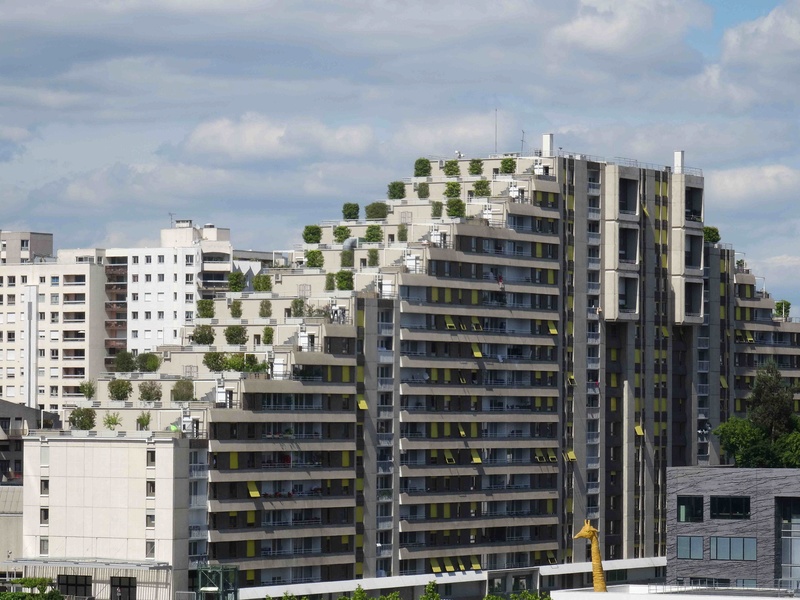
<point x="598" y="577"/>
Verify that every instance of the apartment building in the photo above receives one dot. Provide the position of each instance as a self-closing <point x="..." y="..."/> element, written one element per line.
<point x="17" y="247"/>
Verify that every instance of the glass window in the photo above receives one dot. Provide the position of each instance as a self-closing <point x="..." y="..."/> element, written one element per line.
<point x="730" y="507"/>
<point x="690" y="547"/>
<point x="151" y="458"/>
<point x="44" y="487"/>
<point x="733" y="548"/>
<point x="44" y="516"/>
<point x="44" y="546"/>
<point x="150" y="549"/>
<point x="690" y="509"/>
<point x="148" y="259"/>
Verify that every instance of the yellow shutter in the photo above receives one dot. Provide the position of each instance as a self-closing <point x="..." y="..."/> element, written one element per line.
<point x="359" y="514"/>
<point x="234" y="458"/>
<point x="447" y="430"/>
<point x="434" y="294"/>
<point x="474" y="296"/>
<point x="448" y="457"/>
<point x="345" y="458"/>
<point x="434" y="511"/>
<point x="251" y="517"/>
<point x="476" y="457"/>
<point x="551" y="276"/>
<point x="251" y="548"/>
<point x="448" y="295"/>
<point x="252" y="489"/>
<point x="345" y="374"/>
<point x="476" y="350"/>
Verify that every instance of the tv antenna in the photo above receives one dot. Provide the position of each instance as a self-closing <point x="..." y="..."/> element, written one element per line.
<point x="171" y="219"/>
<point x="522" y="144"/>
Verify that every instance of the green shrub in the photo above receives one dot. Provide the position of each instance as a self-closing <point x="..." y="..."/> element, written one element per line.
<point x="373" y="234"/>
<point x="150" y="391"/>
<point x="236" y="335"/>
<point x="344" y="280"/>
<point x="350" y="211"/>
<point x="452" y="189"/>
<point x="330" y="282"/>
<point x="268" y="336"/>
<point x="124" y="362"/>
<point x="148" y="362"/>
<point x="347" y="258"/>
<point x="203" y="335"/>
<point x="436" y="209"/>
<point x="508" y="166"/>
<point x="482" y="188"/>
<point x="422" y="167"/>
<point x="236" y="281"/>
<point x="262" y="283"/>
<point x="476" y="166"/>
<point x="205" y="309"/>
<point x="315" y="259"/>
<point x="402" y="232"/>
<point x="372" y="257"/>
<point x="452" y="168"/>
<point x="456" y="208"/>
<point x="423" y="191"/>
<point x="236" y="309"/>
<point x="376" y="210"/>
<point x="396" y="191"/>
<point x="144" y="418"/>
<point x="88" y="389"/>
<point x="312" y="234"/>
<point x="214" y="361"/>
<point x="183" y="390"/>
<point x="120" y="389"/>
<point x="82" y="418"/>
<point x="298" y="307"/>
<point x="341" y="233"/>
<point x="265" y="309"/>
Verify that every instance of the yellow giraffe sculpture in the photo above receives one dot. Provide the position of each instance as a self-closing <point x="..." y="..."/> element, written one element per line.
<point x="598" y="577"/>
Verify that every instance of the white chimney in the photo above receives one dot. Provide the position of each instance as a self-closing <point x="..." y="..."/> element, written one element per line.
<point x="547" y="145"/>
<point x="678" y="168"/>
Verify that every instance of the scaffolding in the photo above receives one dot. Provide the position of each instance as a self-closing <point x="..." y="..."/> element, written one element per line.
<point x="218" y="583"/>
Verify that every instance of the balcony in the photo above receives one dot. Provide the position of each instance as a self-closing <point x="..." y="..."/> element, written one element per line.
<point x="198" y="471"/>
<point x="593" y="239"/>
<point x="702" y="366"/>
<point x="198" y="532"/>
<point x="702" y="343"/>
<point x="702" y="389"/>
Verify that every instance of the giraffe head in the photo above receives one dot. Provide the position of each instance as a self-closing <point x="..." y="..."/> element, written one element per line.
<point x="587" y="532"/>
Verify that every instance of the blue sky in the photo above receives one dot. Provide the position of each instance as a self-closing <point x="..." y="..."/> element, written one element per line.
<point x="265" y="115"/>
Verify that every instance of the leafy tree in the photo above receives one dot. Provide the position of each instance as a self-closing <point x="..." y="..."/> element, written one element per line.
<point x="298" y="307"/>
<point x="183" y="390"/>
<point x="344" y="280"/>
<point x="436" y="209"/>
<point x="396" y="191"/>
<point x="205" y="309"/>
<point x="476" y="166"/>
<point x="347" y="258"/>
<point x="150" y="391"/>
<point x="529" y="595"/>
<point x="372" y="257"/>
<point x="482" y="188"/>
<point x="423" y="190"/>
<point x="236" y="309"/>
<point x="268" y="336"/>
<point x="376" y="210"/>
<point x="350" y="211"/>
<point x="112" y="420"/>
<point x="312" y="234"/>
<point x="147" y="362"/>
<point x="120" y="389"/>
<point x="203" y="335"/>
<point x="452" y="189"/>
<point x="143" y="420"/>
<point x="422" y="167"/>
<point x="265" y="309"/>
<point x="771" y="402"/>
<point x="235" y="362"/>
<point x="787" y="450"/>
<point x="711" y="235"/>
<point x="374" y="233"/>
<point x="214" y="361"/>
<point x="262" y="282"/>
<point x="330" y="282"/>
<point x="508" y="166"/>
<point x="456" y="208"/>
<point x="402" y="232"/>
<point x="124" y="362"/>
<point x="315" y="259"/>
<point x="341" y="233"/>
<point x="38" y="583"/>
<point x="88" y="389"/>
<point x="782" y="309"/>
<point x="236" y="281"/>
<point x="430" y="592"/>
<point x="82" y="418"/>
<point x="452" y="168"/>
<point x="236" y="335"/>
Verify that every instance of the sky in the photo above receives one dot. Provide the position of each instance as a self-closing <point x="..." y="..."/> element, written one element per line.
<point x="267" y="115"/>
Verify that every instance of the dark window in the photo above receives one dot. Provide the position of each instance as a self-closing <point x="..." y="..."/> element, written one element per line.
<point x="123" y="588"/>
<point x="690" y="547"/>
<point x="151" y="458"/>
<point x="690" y="509"/>
<point x="75" y="585"/>
<point x="730" y="507"/>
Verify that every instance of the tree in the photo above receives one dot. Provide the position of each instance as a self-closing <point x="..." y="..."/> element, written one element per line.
<point x="330" y="282"/>
<point x="236" y="335"/>
<point x="147" y="362"/>
<point x="183" y="390"/>
<point x="396" y="191"/>
<point x="782" y="309"/>
<point x="430" y="592"/>
<point x="298" y="307"/>
<point x="235" y="362"/>
<point x="236" y="281"/>
<point x="124" y="362"/>
<point x="374" y="233"/>
<point x="451" y="168"/>
<point x="350" y="211"/>
<point x="422" y="167"/>
<point x="347" y="258"/>
<point x="341" y="233"/>
<point x="214" y="361"/>
<point x="120" y="389"/>
<point x="452" y="189"/>
<point x="262" y="282"/>
<point x="205" y="309"/>
<point x="711" y="235"/>
<point x="402" y="232"/>
<point x="376" y="210"/>
<point x="203" y="335"/>
<point x="88" y="389"/>
<point x="787" y="450"/>
<point x="236" y="309"/>
<point x="150" y="391"/>
<point x="476" y="166"/>
<point x="112" y="420"/>
<point x="344" y="280"/>
<point x="771" y="402"/>
<point x="423" y="190"/>
<point x="268" y="336"/>
<point x="82" y="418"/>
<point x="265" y="309"/>
<point x="315" y="259"/>
<point x="508" y="166"/>
<point x="312" y="234"/>
<point x="40" y="584"/>
<point x="482" y="188"/>
<point x="456" y="208"/>
<point x="143" y="420"/>
<point x="372" y="257"/>
<point x="436" y="209"/>
<point x="529" y="595"/>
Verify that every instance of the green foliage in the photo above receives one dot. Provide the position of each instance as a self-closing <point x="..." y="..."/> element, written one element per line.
<point x="422" y="167"/>
<point x="124" y="362"/>
<point x="452" y="189"/>
<point x="236" y="335"/>
<point x="268" y="336"/>
<point x="771" y="402"/>
<point x="82" y="418"/>
<point x="315" y="259"/>
<point x="120" y="389"/>
<point x="236" y="309"/>
<point x="341" y="233"/>
<point x="423" y="190"/>
<point x="298" y="307"/>
<point x="350" y="211"/>
<point x="265" y="309"/>
<point x="529" y="595"/>
<point x="344" y="280"/>
<point x="402" y="232"/>
<point x="147" y="362"/>
<point x="782" y="309"/>
<point x="374" y="233"/>
<point x="236" y="281"/>
<point x="183" y="390"/>
<point x="234" y="362"/>
<point x="144" y="418"/>
<point x="451" y="168"/>
<point x="396" y="191"/>
<point x="482" y="188"/>
<point x="711" y="234"/>
<point x="330" y="282"/>
<point x="262" y="282"/>
<point x="88" y="389"/>
<point x="376" y="210"/>
<point x="203" y="335"/>
<point x="214" y="361"/>
<point x="476" y="166"/>
<point x="38" y="583"/>
<point x="787" y="450"/>
<point x="508" y="166"/>
<point x="312" y="234"/>
<point x="205" y="309"/>
<point x="372" y="257"/>
<point x="51" y="595"/>
<point x="150" y="391"/>
<point x="456" y="208"/>
<point x="347" y="258"/>
<point x="436" y="209"/>
<point x="430" y="592"/>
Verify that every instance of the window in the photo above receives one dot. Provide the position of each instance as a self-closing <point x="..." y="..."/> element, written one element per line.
<point x="54" y="317"/>
<point x="161" y="259"/>
<point x="54" y="280"/>
<point x="54" y="298"/>
<point x="134" y="334"/>
<point x="150" y="520"/>
<point x="690" y="547"/>
<point x="148" y="296"/>
<point x="41" y="316"/>
<point x="148" y="259"/>
<point x="730" y="507"/>
<point x="148" y="278"/>
<point x="44" y="546"/>
<point x="150" y="488"/>
<point x="135" y="314"/>
<point x="44" y="487"/>
<point x="54" y="353"/>
<point x="135" y="260"/>
<point x="161" y="277"/>
<point x="161" y="315"/>
<point x="54" y="391"/>
<point x="147" y="315"/>
<point x="44" y="516"/>
<point x="150" y="549"/>
<point x="135" y="278"/>
<point x="75" y="585"/>
<point x="11" y="336"/>
<point x="690" y="509"/>
<point x="189" y="278"/>
<point x="151" y="458"/>
<point x="189" y="298"/>
<point x="124" y="588"/>
<point x="160" y="297"/>
<point x="733" y="548"/>
<point x="135" y="297"/>
<point x="190" y="260"/>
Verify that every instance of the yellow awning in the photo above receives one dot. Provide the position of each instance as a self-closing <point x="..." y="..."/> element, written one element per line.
<point x="551" y="557"/>
<point x="448" y="565"/>
<point x="476" y="324"/>
<point x="664" y="331"/>
<point x="449" y="322"/>
<point x="644" y="209"/>
<point x="571" y="455"/>
<point x="723" y="382"/>
<point x="476" y="351"/>
<point x="461" y="431"/>
<point x="362" y="403"/>
<point x="552" y="455"/>
<point x="448" y="457"/>
<point x="253" y="490"/>
<point x="552" y="326"/>
<point x="435" y="566"/>
<point x="476" y="457"/>
<point x="638" y="429"/>
<point x="476" y="564"/>
<point x="460" y="563"/>
<point x="750" y="339"/>
<point x="251" y="517"/>
<point x="539" y="454"/>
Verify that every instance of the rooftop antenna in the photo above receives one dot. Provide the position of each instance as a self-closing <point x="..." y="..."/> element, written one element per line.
<point x="522" y="144"/>
<point x="171" y="219"/>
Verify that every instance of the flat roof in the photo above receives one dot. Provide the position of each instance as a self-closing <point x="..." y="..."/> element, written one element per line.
<point x="91" y="563"/>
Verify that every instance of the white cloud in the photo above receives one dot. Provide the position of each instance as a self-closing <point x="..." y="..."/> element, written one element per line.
<point x="757" y="188"/>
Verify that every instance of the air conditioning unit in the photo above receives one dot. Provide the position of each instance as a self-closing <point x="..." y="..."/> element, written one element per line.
<point x="167" y="356"/>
